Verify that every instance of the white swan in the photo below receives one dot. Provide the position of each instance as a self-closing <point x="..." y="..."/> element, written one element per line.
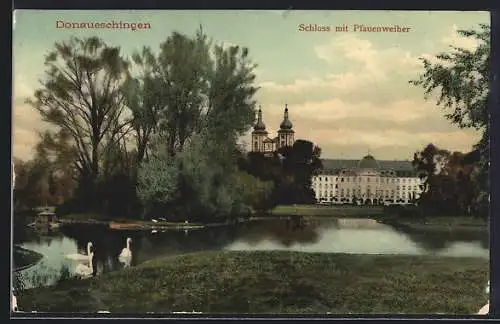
<point x="80" y="257"/>
<point x="486" y="308"/>
<point x="125" y="256"/>
<point x="83" y="270"/>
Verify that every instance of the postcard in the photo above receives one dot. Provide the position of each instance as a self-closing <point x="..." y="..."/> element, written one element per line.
<point x="250" y="162"/>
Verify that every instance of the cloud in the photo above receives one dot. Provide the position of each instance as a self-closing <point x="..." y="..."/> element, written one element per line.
<point x="335" y="109"/>
<point x="23" y="140"/>
<point x="21" y="88"/>
<point x="457" y="40"/>
<point x="26" y="121"/>
<point x="453" y="38"/>
<point x="367" y="67"/>
<point x="375" y="64"/>
<point x="366" y="102"/>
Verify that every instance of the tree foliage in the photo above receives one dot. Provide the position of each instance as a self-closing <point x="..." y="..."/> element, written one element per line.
<point x="198" y="97"/>
<point x="161" y="130"/>
<point x="81" y="96"/>
<point x="448" y="185"/>
<point x="460" y="78"/>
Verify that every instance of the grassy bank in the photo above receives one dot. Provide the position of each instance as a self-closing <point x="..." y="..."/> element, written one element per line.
<point x="379" y="213"/>
<point x="327" y="211"/>
<point x="445" y="223"/>
<point x="276" y="282"/>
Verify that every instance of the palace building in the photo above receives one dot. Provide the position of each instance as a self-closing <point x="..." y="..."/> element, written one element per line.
<point x="366" y="181"/>
<point x="261" y="142"/>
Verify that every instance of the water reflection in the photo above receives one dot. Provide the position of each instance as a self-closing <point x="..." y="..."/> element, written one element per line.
<point x="294" y="233"/>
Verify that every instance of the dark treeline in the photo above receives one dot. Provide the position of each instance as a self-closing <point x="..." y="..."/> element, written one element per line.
<point x="449" y="183"/>
<point x="155" y="134"/>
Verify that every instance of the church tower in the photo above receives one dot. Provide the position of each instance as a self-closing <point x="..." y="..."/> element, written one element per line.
<point x="285" y="133"/>
<point x="259" y="133"/>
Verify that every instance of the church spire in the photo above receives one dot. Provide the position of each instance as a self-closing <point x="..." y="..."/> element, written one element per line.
<point x="260" y="123"/>
<point x="286" y="123"/>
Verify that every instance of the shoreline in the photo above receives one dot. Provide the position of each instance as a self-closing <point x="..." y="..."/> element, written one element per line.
<point x="286" y="211"/>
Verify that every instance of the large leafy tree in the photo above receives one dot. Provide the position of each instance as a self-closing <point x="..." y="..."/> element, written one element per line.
<point x="189" y="86"/>
<point x="192" y="101"/>
<point x="81" y="96"/>
<point x="461" y="77"/>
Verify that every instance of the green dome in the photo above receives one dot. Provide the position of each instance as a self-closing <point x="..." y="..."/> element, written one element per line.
<point x="368" y="162"/>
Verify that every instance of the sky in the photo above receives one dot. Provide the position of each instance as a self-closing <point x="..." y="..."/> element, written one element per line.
<point x="347" y="91"/>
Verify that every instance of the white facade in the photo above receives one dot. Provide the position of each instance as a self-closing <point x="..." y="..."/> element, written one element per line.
<point x="367" y="184"/>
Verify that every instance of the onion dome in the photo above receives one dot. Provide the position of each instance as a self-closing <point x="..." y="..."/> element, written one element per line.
<point x="286" y="123"/>
<point x="260" y="124"/>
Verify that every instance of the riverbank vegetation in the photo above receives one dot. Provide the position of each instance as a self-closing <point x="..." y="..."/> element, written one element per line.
<point x="328" y="211"/>
<point x="158" y="134"/>
<point x="276" y="282"/>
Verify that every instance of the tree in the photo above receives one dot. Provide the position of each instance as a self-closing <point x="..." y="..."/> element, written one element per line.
<point x="142" y="95"/>
<point x="448" y="186"/>
<point x="461" y="78"/>
<point x="59" y="153"/>
<point x="300" y="162"/>
<point x="158" y="185"/>
<point x="189" y="86"/>
<point x="428" y="164"/>
<point x="201" y="97"/>
<point x="81" y="96"/>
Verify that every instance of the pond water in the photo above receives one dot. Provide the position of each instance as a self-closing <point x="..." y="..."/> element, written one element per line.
<point x="307" y="235"/>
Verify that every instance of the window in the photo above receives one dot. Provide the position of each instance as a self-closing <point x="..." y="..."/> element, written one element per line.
<point x="342" y="180"/>
<point x="256" y="146"/>
<point x="320" y="178"/>
<point x="367" y="179"/>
